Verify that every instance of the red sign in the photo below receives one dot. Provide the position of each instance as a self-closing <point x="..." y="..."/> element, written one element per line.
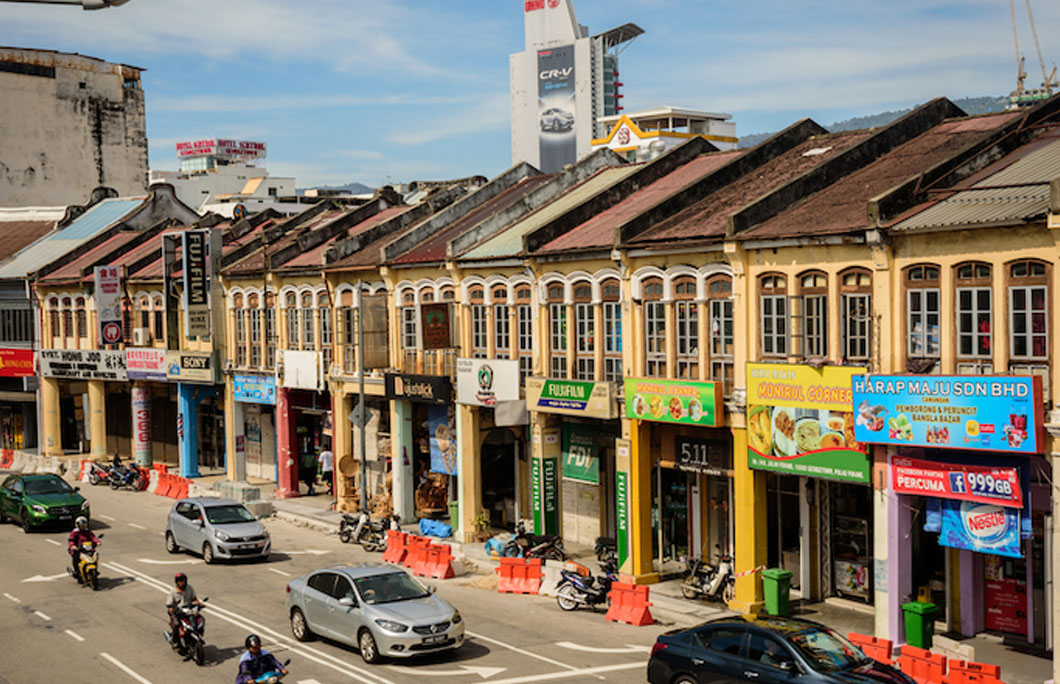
<point x="998" y="486"/>
<point x="1006" y="605"/>
<point x="531" y="5"/>
<point x="16" y="363"/>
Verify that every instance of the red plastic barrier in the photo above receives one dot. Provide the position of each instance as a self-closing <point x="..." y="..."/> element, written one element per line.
<point x="629" y="604"/>
<point x="161" y="467"/>
<point x="923" y="666"/>
<point x="396" y="546"/>
<point x="880" y="650"/>
<point x="439" y="563"/>
<point x="180" y="490"/>
<point x="519" y="576"/>
<point x="163" y="484"/>
<point x="7" y="457"/>
<point x="416" y="556"/>
<point x="962" y="672"/>
<point x="81" y="473"/>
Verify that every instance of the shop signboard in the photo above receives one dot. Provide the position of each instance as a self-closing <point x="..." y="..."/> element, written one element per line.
<point x="436" y="327"/>
<point x="674" y="401"/>
<point x="800" y="422"/>
<point x="985" y="528"/>
<point x="254" y="389"/>
<point x="83" y="364"/>
<point x="196" y="283"/>
<point x="580" y="461"/>
<point x="709" y="457"/>
<point x="441" y="421"/>
<point x="141" y="415"/>
<point x="571" y="397"/>
<point x="16" y="363"/>
<point x="956" y="481"/>
<point x="190" y="366"/>
<point x="984" y="413"/>
<point x="535" y="495"/>
<point x="108" y="304"/>
<point x="622" y="466"/>
<point x="146" y="363"/>
<point x="419" y="389"/>
<point x="550" y="494"/>
<point x="301" y="369"/>
<point x="484" y="382"/>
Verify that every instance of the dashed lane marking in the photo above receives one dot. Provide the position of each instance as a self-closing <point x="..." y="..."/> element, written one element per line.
<point x="280" y="572"/>
<point x="52" y="541"/>
<point x="74" y="635"/>
<point x="139" y="527"/>
<point x="629" y="648"/>
<point x="9" y="597"/>
<point x="106" y="517"/>
<point x="125" y="668"/>
<point x="42" y="616"/>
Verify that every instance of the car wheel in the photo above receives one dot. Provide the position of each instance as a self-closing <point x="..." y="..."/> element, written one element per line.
<point x="299" y="627"/>
<point x="369" y="651"/>
<point x="3" y="516"/>
<point x="27" y="527"/>
<point x="171" y="543"/>
<point x="207" y="554"/>
<point x="684" y="679"/>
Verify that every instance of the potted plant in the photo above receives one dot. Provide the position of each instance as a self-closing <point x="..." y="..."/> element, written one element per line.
<point x="482" y="526"/>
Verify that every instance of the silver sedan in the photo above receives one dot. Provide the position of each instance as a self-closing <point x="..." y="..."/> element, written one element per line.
<point x="380" y="609"/>
<point x="217" y="528"/>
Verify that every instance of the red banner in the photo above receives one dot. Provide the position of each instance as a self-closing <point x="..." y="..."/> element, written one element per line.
<point x="998" y="486"/>
<point x="16" y="363"/>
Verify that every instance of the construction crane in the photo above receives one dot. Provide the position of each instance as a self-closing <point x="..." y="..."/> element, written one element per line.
<point x="1021" y="96"/>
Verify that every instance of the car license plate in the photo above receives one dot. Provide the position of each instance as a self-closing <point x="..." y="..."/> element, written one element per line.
<point x="248" y="546"/>
<point x="435" y="639"/>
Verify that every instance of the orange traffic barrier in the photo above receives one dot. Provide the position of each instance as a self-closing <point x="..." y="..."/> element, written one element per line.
<point x="180" y="490"/>
<point x="439" y="563"/>
<point x="7" y="457"/>
<point x="519" y="576"/>
<point x="962" y="672"/>
<point x="81" y="473"/>
<point x="880" y="650"/>
<point x="922" y="665"/>
<point x="163" y="484"/>
<point x="416" y="555"/>
<point x="396" y="546"/>
<point x="161" y="467"/>
<point x="629" y="604"/>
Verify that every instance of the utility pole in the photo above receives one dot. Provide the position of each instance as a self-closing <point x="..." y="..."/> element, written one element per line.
<point x="361" y="407"/>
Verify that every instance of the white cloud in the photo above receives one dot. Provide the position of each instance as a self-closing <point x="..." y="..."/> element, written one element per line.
<point x="489" y="113"/>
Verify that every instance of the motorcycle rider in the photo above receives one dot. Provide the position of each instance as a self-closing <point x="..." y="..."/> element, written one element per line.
<point x="180" y="599"/>
<point x="80" y="534"/>
<point x="256" y="662"/>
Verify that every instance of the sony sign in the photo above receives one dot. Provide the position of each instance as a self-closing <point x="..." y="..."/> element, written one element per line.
<point x="196" y="283"/>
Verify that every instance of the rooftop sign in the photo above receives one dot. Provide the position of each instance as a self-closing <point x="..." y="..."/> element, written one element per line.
<point x="231" y="149"/>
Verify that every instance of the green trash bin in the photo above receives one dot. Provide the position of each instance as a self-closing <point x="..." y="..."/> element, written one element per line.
<point x="454" y="515"/>
<point x="776" y="584"/>
<point x="919" y="623"/>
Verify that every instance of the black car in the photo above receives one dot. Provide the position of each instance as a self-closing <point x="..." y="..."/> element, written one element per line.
<point x="762" y="649"/>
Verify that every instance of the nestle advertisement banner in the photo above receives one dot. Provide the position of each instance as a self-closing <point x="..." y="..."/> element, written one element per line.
<point x="16" y="363"/>
<point x="981" y="527"/>
<point x="988" y="413"/>
<point x="555" y="108"/>
<point x="952" y="481"/>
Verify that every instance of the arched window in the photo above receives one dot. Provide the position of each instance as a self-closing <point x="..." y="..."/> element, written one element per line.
<point x="291" y="311"/>
<point x="557" y="329"/>
<point x="54" y="317"/>
<point x="654" y="329"/>
<point x="924" y="311"/>
<point x="324" y="305"/>
<point x="270" y="330"/>
<point x="525" y="323"/>
<point x="82" y="318"/>
<point x="254" y="313"/>
<point x="502" y="326"/>
<point x="611" y="294"/>
<point x="159" y="332"/>
<point x="686" y="318"/>
<point x="584" y="331"/>
<point x="408" y="320"/>
<point x="855" y="314"/>
<point x="719" y="301"/>
<point x="1028" y="301"/>
<point x="68" y="318"/>
<point x="974" y="297"/>
<point x="143" y="307"/>
<point x="810" y="309"/>
<point x="479" y="328"/>
<point x="239" y="313"/>
<point x="773" y="315"/>
<point x="308" y="325"/>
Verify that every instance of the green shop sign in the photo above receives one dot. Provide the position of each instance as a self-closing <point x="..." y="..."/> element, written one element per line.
<point x="579" y="454"/>
<point x="835" y="464"/>
<point x="544" y="488"/>
<point x="571" y="397"/>
<point x="674" y="401"/>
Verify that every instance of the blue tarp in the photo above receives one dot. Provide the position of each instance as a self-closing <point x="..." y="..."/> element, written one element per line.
<point x="435" y="528"/>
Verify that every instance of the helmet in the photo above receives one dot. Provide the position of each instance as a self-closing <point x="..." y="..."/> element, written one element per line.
<point x="252" y="641"/>
<point x="81" y="523"/>
<point x="180" y="576"/>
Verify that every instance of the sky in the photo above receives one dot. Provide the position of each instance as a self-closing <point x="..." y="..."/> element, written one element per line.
<point x="383" y="91"/>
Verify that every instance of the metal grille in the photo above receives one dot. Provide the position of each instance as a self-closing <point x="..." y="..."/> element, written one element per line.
<point x="437" y="628"/>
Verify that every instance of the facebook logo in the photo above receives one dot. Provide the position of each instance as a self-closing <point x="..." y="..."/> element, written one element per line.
<point x="957" y="483"/>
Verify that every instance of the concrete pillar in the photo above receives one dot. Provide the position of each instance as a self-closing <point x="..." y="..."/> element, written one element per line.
<point x="749" y="518"/>
<point x="640" y="503"/>
<point x="1053" y="602"/>
<point x="235" y="446"/>
<point x="347" y="460"/>
<point x="140" y="398"/>
<point x="97" y="421"/>
<point x="544" y="474"/>
<point x="188" y="429"/>
<point x="286" y="459"/>
<point x="401" y="454"/>
<point x="469" y="473"/>
<point x="899" y="559"/>
<point x="51" y="431"/>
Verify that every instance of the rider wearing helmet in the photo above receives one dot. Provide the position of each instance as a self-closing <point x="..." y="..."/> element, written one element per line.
<point x="256" y="662"/>
<point x="181" y="598"/>
<point x="80" y="534"/>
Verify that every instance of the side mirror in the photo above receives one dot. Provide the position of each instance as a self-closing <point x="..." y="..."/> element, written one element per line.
<point x="347" y="601"/>
<point x="77" y="489"/>
<point x="787" y="666"/>
<point x="199" y="522"/>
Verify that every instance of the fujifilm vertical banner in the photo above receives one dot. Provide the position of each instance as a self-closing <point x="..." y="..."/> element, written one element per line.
<point x="556" y="108"/>
<point x="196" y="283"/>
<point x="108" y="305"/>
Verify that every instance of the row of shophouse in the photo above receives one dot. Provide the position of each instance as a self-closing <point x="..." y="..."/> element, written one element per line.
<point x="831" y="352"/>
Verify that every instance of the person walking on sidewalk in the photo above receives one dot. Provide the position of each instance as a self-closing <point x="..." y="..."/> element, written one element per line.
<point x="309" y="470"/>
<point x="327" y="468"/>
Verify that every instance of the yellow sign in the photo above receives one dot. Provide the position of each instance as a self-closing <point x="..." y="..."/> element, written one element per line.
<point x="778" y="384"/>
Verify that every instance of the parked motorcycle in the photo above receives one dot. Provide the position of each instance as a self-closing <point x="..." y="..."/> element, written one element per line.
<point x="88" y="564"/>
<point x="607" y="549"/>
<point x="710" y="582"/>
<point x="528" y="545"/>
<point x="130" y="477"/>
<point x="369" y="533"/>
<point x="99" y="473"/>
<point x="272" y="676"/>
<point x="576" y="590"/>
<point x="191" y="630"/>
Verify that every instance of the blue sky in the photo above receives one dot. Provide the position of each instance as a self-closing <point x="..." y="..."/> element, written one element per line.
<point x="394" y="90"/>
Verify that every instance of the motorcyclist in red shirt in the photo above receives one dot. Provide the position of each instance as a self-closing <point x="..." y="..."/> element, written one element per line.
<point x="81" y="533"/>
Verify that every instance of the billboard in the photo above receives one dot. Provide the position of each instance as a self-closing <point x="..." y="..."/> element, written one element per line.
<point x="196" y="283"/>
<point x="556" y="101"/>
<point x="145" y="363"/>
<point x="230" y="149"/>
<point x="674" y="401"/>
<point x="985" y="528"/>
<point x="16" y="363"/>
<point x="981" y="484"/>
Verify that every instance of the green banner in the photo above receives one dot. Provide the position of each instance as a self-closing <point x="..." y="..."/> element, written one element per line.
<point x="550" y="494"/>
<point x="580" y="460"/>
<point x="674" y="401"/>
<point x="535" y="493"/>
<point x="836" y="464"/>
<point x="622" y="515"/>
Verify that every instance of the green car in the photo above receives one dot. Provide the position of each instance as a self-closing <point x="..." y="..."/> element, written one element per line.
<point x="37" y="500"/>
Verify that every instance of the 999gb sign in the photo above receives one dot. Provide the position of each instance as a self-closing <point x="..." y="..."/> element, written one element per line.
<point x="999" y="486"/>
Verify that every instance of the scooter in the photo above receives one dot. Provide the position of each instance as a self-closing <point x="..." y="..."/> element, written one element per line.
<point x="371" y="534"/>
<point x="708" y="581"/>
<point x="576" y="590"/>
<point x="528" y="545"/>
<point x="272" y="676"/>
<point x="191" y="630"/>
<point x="606" y="549"/>
<point x="99" y="473"/>
<point x="127" y="476"/>
<point x="87" y="564"/>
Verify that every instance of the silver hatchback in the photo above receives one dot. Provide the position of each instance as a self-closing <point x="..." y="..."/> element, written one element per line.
<point x="380" y="609"/>
<point x="217" y="528"/>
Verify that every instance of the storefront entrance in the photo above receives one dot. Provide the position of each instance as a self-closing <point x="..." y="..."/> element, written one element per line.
<point x="499" y="463"/>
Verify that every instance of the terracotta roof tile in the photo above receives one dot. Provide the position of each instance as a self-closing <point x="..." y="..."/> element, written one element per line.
<point x="14" y="235"/>
<point x="315" y="257"/>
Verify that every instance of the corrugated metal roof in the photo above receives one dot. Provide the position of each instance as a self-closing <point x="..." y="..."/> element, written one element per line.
<point x="510" y="241"/>
<point x="1017" y="192"/>
<point x="85" y="227"/>
<point x="315" y="257"/>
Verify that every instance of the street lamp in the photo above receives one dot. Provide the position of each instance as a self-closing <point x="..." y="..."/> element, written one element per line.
<point x="85" y="4"/>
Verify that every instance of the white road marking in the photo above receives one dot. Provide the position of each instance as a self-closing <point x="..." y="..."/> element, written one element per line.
<point x="594" y="671"/>
<point x="308" y="681"/>
<point x="139" y="527"/>
<point x="482" y="672"/>
<point x="105" y="517"/>
<point x="52" y="541"/>
<point x="49" y="578"/>
<point x="125" y="668"/>
<point x="74" y="635"/>
<point x="309" y="552"/>
<point x="12" y="598"/>
<point x="42" y="616"/>
<point x="482" y="637"/>
<point x="151" y="561"/>
<point x="310" y="653"/>
<point x="280" y="572"/>
<point x="630" y="648"/>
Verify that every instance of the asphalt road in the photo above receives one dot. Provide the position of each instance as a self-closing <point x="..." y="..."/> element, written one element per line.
<point x="53" y="630"/>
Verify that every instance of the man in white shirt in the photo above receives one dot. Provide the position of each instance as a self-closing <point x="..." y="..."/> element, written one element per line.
<point x="327" y="467"/>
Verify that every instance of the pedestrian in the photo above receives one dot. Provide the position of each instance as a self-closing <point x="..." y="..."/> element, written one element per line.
<point x="309" y="470"/>
<point x="327" y="467"/>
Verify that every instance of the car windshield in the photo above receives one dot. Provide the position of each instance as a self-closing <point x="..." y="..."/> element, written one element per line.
<point x="388" y="588"/>
<point x="48" y="486"/>
<point x="826" y="650"/>
<point x="220" y="515"/>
